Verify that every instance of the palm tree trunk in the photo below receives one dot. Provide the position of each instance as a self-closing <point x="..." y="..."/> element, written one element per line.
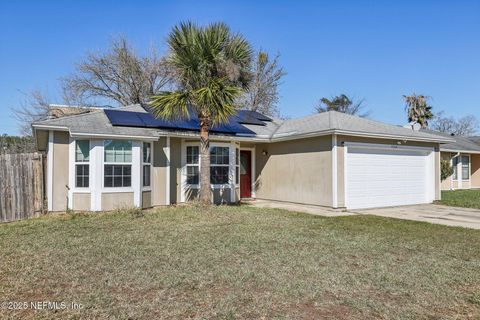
<point x="205" y="192"/>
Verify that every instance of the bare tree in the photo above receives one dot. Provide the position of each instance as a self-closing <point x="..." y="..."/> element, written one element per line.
<point x="35" y="106"/>
<point x="119" y="75"/>
<point x="262" y="92"/>
<point x="464" y="126"/>
<point x="342" y="103"/>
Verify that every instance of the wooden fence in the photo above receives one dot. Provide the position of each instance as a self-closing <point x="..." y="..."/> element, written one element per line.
<point x="22" y="186"/>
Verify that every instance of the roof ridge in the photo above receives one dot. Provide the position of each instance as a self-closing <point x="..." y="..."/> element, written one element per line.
<point x="70" y="116"/>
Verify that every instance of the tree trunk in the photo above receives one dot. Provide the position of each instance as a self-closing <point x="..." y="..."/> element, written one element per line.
<point x="205" y="191"/>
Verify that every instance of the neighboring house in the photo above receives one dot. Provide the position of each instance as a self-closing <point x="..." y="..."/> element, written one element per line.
<point x="464" y="156"/>
<point x="107" y="159"/>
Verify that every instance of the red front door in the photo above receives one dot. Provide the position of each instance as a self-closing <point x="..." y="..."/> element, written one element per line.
<point x="245" y="174"/>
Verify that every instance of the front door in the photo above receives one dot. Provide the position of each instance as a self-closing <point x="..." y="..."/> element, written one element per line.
<point x="245" y="174"/>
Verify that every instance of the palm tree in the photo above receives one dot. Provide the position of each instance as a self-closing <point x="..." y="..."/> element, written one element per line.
<point x="418" y="110"/>
<point x="210" y="66"/>
<point x="342" y="103"/>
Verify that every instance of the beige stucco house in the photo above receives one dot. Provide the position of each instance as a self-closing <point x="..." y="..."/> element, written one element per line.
<point x="108" y="159"/>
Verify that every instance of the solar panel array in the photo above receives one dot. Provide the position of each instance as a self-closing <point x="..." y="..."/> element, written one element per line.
<point x="147" y="120"/>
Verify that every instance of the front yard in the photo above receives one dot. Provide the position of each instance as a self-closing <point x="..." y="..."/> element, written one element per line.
<point x="461" y="198"/>
<point x="239" y="262"/>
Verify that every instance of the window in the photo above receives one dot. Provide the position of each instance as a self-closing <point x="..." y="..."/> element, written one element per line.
<point x="455" y="168"/>
<point x="192" y="165"/>
<point x="219" y="160"/>
<point x="117" y="164"/>
<point x="147" y="163"/>
<point x="237" y="166"/>
<point x="465" y="168"/>
<point x="82" y="166"/>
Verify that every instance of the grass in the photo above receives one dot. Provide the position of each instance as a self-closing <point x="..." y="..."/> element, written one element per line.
<point x="239" y="263"/>
<point x="461" y="198"/>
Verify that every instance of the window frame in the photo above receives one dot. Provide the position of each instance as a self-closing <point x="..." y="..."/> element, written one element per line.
<point x="220" y="165"/>
<point x="459" y="160"/>
<point x="145" y="164"/>
<point x="185" y="165"/>
<point x="455" y="168"/>
<point x="469" y="166"/>
<point x="237" y="166"/>
<point x="104" y="163"/>
<point x="195" y="145"/>
<point x="76" y="163"/>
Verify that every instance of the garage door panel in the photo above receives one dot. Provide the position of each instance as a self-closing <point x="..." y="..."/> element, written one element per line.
<point x="386" y="177"/>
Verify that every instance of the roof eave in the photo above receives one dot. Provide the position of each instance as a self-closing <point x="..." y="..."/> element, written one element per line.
<point x="459" y="150"/>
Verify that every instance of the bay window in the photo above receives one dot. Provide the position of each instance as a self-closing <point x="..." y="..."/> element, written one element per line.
<point x="117" y="164"/>
<point x="82" y="166"/>
<point x="147" y="163"/>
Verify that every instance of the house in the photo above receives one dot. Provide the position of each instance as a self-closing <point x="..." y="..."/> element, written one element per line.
<point x="464" y="156"/>
<point x="107" y="159"/>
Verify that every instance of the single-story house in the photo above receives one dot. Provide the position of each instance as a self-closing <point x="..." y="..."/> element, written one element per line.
<point x="124" y="157"/>
<point x="464" y="156"/>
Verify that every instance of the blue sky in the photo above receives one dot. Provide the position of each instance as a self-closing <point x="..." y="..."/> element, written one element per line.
<point x="376" y="50"/>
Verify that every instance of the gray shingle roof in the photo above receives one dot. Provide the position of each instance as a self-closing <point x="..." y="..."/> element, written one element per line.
<point x="97" y="123"/>
<point x="345" y="123"/>
<point x="460" y="143"/>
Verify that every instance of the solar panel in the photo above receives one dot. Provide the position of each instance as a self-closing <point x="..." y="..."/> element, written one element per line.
<point x="147" y="120"/>
<point x="253" y="114"/>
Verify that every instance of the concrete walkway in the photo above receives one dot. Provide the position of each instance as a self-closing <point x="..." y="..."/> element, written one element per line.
<point x="438" y="214"/>
<point x="316" y="210"/>
<point x="449" y="216"/>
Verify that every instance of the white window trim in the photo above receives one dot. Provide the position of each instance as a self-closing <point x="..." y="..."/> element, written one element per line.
<point x="184" y="150"/>
<point x="147" y="188"/>
<point x="469" y="167"/>
<point x="237" y="166"/>
<point x="228" y="165"/>
<point x="459" y="180"/>
<point x="72" y="188"/>
<point x="75" y="188"/>
<point x="231" y="178"/>
<point x="131" y="164"/>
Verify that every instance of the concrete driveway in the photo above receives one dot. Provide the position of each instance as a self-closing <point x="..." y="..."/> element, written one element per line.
<point x="450" y="216"/>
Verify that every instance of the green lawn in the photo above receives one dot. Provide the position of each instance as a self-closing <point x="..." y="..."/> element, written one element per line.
<point x="461" y="198"/>
<point x="239" y="263"/>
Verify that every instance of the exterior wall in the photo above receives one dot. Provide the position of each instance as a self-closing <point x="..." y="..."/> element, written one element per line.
<point x="446" y="184"/>
<point x="159" y="174"/>
<point x="175" y="169"/>
<point x="117" y="200"/>
<point x="341" y="161"/>
<point x="60" y="171"/>
<point x="475" y="170"/>
<point x="146" y="199"/>
<point x="81" y="201"/>
<point x="295" y="171"/>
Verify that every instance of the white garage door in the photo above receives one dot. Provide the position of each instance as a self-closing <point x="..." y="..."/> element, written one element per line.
<point x="392" y="176"/>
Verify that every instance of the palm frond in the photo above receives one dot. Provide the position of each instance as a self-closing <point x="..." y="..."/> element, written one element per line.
<point x="171" y="105"/>
<point x="217" y="100"/>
